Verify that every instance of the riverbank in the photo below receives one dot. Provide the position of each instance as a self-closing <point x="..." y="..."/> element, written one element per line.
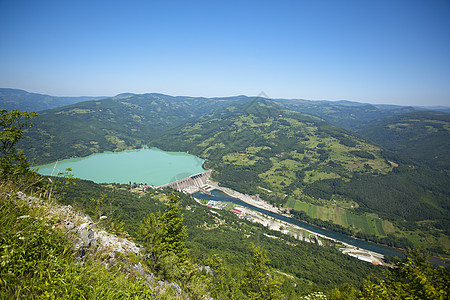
<point x="252" y="200"/>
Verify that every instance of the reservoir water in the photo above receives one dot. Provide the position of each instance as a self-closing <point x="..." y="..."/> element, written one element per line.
<point x="150" y="166"/>
<point x="217" y="195"/>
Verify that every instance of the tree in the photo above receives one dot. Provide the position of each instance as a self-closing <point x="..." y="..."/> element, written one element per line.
<point x="345" y="292"/>
<point x="173" y="232"/>
<point x="163" y="236"/>
<point x="12" y="161"/>
<point x="150" y="237"/>
<point x="258" y="283"/>
<point x="223" y="285"/>
<point x="414" y="277"/>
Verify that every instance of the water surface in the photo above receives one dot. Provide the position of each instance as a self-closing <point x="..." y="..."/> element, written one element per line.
<point x="150" y="166"/>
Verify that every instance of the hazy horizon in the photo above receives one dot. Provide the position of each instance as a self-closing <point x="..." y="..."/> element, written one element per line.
<point x="226" y="96"/>
<point x="383" y="52"/>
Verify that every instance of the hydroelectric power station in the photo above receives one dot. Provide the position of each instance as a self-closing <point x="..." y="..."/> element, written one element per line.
<point x="191" y="184"/>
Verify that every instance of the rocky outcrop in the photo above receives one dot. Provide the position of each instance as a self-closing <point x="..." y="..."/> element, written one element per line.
<point x="88" y="236"/>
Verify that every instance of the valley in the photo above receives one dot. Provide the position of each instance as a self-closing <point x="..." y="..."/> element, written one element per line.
<point x="155" y="168"/>
<point x="303" y="190"/>
<point x="258" y="211"/>
<point x="322" y="174"/>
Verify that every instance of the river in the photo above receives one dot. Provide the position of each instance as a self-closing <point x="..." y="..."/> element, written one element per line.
<point x="217" y="195"/>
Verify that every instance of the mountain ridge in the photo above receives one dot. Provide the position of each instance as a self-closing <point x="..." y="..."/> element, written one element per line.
<point x="24" y="104"/>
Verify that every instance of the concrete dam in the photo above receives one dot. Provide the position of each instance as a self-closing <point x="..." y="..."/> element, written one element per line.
<point x="190" y="184"/>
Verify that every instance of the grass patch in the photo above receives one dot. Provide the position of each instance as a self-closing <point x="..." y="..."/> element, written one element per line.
<point x="312" y="176"/>
<point x="228" y="206"/>
<point x="370" y="224"/>
<point x="290" y="203"/>
<point x="380" y="228"/>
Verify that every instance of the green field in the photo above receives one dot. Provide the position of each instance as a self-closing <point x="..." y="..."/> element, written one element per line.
<point x="370" y="224"/>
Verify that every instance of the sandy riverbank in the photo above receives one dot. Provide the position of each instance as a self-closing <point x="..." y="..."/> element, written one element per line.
<point x="252" y="200"/>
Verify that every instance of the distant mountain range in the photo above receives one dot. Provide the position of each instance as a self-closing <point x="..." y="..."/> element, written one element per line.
<point x="420" y="135"/>
<point x="25" y="101"/>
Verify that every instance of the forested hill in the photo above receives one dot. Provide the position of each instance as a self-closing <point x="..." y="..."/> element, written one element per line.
<point x="260" y="144"/>
<point x="418" y="133"/>
<point x="25" y="101"/>
<point x="126" y="121"/>
<point x="423" y="136"/>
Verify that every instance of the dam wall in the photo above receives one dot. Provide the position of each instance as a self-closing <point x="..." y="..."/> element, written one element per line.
<point x="193" y="182"/>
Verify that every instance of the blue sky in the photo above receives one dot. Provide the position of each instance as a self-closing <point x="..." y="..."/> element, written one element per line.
<point x="392" y="51"/>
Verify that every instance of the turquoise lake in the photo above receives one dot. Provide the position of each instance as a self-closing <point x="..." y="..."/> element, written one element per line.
<point x="150" y="166"/>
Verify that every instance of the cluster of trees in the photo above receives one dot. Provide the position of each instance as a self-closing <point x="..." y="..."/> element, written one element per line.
<point x="362" y="154"/>
<point x="399" y="195"/>
<point x="413" y="277"/>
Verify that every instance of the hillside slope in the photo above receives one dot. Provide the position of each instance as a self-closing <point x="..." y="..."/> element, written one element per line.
<point x="258" y="143"/>
<point x="52" y="251"/>
<point x="126" y="121"/>
<point x="422" y="136"/>
<point x="344" y="114"/>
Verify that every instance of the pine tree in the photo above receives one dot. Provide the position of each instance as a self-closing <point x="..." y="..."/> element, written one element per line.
<point x="163" y="238"/>
<point x="173" y="232"/>
<point x="258" y="283"/>
<point x="150" y="237"/>
<point x="223" y="285"/>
